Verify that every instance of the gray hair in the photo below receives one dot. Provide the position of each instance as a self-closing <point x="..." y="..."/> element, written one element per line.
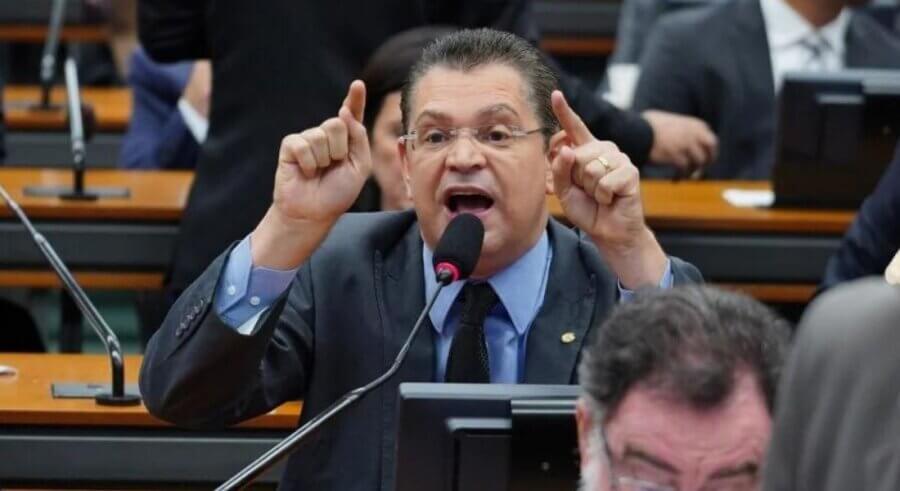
<point x="688" y="341"/>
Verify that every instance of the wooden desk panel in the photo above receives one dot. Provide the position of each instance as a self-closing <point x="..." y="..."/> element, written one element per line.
<point x="155" y="195"/>
<point x="112" y="108"/>
<point x="578" y="46"/>
<point x="37" y="33"/>
<point x="25" y="398"/>
<point x="694" y="214"/>
<point x="699" y="206"/>
<point x="18" y="278"/>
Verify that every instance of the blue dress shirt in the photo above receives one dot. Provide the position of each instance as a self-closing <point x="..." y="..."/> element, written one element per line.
<point x="520" y="287"/>
<point x="247" y="291"/>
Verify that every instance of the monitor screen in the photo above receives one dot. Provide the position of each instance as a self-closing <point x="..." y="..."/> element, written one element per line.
<point x="836" y="133"/>
<point x="454" y="437"/>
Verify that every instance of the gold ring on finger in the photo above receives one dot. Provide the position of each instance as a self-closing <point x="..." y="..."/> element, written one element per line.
<point x="603" y="163"/>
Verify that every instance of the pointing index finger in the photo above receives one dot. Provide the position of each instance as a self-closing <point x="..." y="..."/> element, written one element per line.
<point x="569" y="121"/>
<point x="356" y="99"/>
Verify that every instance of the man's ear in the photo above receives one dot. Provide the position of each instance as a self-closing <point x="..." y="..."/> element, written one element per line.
<point x="559" y="139"/>
<point x="404" y="166"/>
<point x="584" y="421"/>
<point x="556" y="142"/>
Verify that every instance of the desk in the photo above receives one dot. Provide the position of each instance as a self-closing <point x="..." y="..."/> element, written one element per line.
<point x="112" y="108"/>
<point x="776" y="255"/>
<point x="37" y="33"/>
<point x="46" y="441"/>
<point x="42" y="137"/>
<point x="121" y="243"/>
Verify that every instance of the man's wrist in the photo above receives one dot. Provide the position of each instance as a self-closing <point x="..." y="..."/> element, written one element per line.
<point x="284" y="243"/>
<point x="638" y="263"/>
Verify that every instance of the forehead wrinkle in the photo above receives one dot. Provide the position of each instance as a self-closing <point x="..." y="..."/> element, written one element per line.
<point x="496" y="108"/>
<point x="747" y="467"/>
<point x="635" y="452"/>
<point x="443" y="86"/>
<point x="645" y="419"/>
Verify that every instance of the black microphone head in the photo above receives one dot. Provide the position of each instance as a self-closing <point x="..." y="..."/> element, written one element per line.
<point x="458" y="250"/>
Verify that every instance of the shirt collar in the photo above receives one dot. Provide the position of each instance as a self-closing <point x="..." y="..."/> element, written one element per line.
<point x="785" y="26"/>
<point x="519" y="286"/>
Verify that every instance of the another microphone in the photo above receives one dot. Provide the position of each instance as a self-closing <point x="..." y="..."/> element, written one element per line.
<point x="79" y="150"/>
<point x="117" y="395"/>
<point x="48" y="58"/>
<point x="455" y="258"/>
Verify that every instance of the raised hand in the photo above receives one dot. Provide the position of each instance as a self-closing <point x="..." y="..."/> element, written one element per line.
<point x="599" y="190"/>
<point x="322" y="170"/>
<point x="320" y="173"/>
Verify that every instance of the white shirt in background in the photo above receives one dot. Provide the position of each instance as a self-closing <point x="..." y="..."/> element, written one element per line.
<point x="790" y="34"/>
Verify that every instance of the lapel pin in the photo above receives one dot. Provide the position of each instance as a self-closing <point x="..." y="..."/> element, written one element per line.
<point x="567" y="337"/>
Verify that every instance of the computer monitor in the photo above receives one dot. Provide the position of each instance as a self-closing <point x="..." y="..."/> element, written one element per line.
<point x="461" y="437"/>
<point x="836" y="133"/>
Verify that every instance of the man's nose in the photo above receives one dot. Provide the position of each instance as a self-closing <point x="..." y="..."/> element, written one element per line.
<point x="465" y="154"/>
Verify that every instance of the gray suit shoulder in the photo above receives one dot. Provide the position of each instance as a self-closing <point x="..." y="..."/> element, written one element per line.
<point x="879" y="47"/>
<point x="859" y="316"/>
<point x="684" y="26"/>
<point x="682" y="271"/>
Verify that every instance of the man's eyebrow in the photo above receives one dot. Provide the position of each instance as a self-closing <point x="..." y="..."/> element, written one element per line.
<point x="747" y="468"/>
<point x="636" y="453"/>
<point x="437" y="115"/>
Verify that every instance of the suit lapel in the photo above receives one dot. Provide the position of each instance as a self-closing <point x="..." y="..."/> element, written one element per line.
<point x="558" y="333"/>
<point x="401" y="298"/>
<point x="752" y="46"/>
<point x="400" y="293"/>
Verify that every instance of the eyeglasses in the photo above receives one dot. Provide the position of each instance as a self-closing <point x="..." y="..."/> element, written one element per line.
<point x="494" y="136"/>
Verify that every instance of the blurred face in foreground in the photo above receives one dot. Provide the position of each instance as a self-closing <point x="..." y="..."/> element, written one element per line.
<point x="655" y="442"/>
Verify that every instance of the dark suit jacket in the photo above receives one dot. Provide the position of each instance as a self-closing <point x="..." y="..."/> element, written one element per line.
<point x="157" y="136"/>
<point x="281" y="66"/>
<point x="341" y="324"/>
<point x="874" y="236"/>
<point x="714" y="63"/>
<point x="837" y="416"/>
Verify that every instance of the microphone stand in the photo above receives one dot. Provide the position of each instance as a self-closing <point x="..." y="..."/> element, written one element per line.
<point x="76" y="131"/>
<point x="117" y="396"/>
<point x="280" y="450"/>
<point x="48" y="58"/>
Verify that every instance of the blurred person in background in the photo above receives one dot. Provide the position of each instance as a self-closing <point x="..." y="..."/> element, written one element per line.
<point x="724" y="64"/>
<point x="679" y="388"/>
<point x="170" y="111"/>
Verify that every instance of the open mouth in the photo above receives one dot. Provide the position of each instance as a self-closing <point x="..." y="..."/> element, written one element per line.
<point x="469" y="202"/>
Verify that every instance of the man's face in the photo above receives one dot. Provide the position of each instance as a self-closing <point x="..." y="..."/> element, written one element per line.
<point x="386" y="166"/>
<point x="656" y="439"/>
<point x="505" y="187"/>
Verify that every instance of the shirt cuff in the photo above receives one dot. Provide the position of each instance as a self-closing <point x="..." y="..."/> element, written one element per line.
<point x="246" y="291"/>
<point x="626" y="295"/>
<point x="196" y="123"/>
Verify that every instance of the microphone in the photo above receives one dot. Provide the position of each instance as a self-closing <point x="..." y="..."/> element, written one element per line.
<point x="79" y="150"/>
<point x="457" y="252"/>
<point x="48" y="58"/>
<point x="455" y="258"/>
<point x="117" y="396"/>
